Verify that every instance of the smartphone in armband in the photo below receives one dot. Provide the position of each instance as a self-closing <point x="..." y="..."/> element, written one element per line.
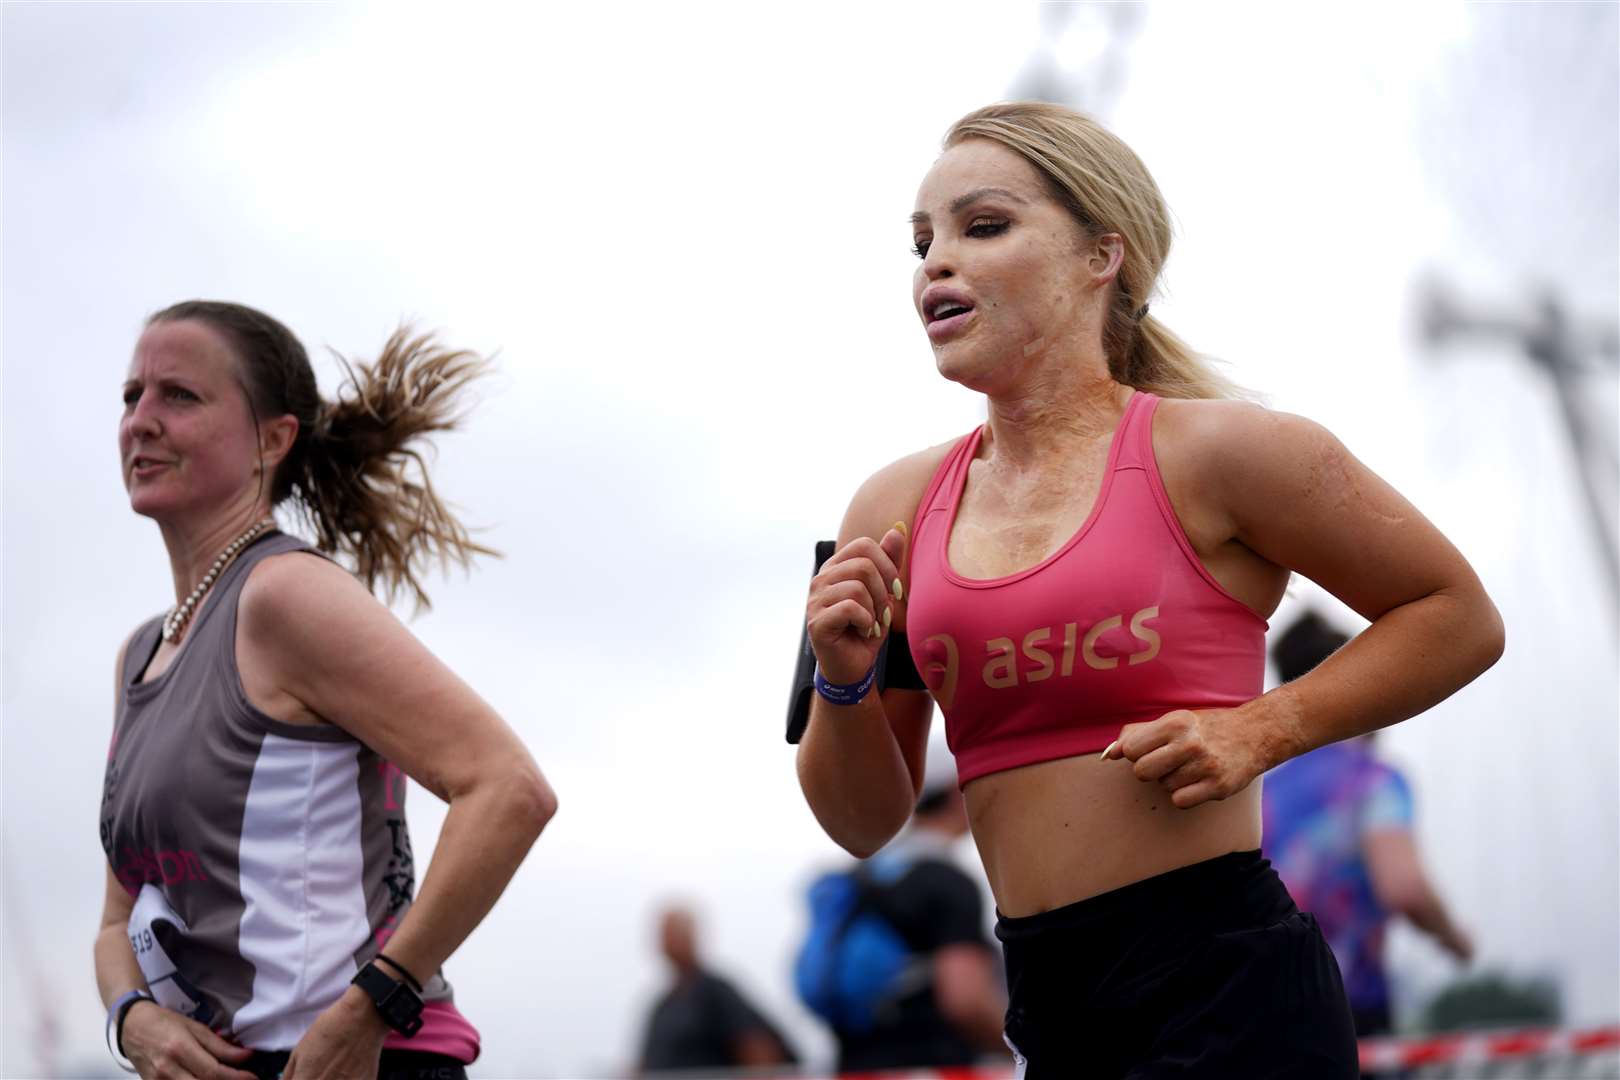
<point x="895" y="667"/>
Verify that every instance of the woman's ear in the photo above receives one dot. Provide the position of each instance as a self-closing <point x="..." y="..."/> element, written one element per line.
<point x="1107" y="256"/>
<point x="276" y="438"/>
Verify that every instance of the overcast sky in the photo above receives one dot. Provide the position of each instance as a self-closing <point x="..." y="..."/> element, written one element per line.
<point x="684" y="230"/>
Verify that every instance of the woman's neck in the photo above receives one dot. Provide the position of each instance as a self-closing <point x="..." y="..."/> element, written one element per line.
<point x="194" y="543"/>
<point x="1053" y="412"/>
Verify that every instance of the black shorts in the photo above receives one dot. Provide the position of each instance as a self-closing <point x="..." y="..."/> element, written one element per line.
<point x="394" y="1065"/>
<point x="1206" y="971"/>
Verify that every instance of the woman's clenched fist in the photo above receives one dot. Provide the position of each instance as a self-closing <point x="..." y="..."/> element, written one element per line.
<point x="851" y="604"/>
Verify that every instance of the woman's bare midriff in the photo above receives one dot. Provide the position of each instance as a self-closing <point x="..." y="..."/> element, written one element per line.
<point x="1061" y="831"/>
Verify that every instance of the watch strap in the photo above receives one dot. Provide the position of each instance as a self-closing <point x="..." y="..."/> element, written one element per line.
<point x="397" y="1003"/>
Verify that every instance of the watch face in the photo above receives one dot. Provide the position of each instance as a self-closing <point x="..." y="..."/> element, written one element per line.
<point x="397" y="1003"/>
<point x="402" y="1010"/>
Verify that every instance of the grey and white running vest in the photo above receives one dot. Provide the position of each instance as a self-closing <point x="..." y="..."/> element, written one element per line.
<point x="268" y="861"/>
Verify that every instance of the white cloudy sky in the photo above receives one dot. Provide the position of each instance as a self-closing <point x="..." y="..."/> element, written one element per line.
<point x="683" y="228"/>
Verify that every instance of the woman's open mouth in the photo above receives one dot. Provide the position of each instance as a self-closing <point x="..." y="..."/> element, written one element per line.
<point x="946" y="313"/>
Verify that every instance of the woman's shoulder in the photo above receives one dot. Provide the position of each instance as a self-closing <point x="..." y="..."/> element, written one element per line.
<point x="893" y="492"/>
<point x="1224" y="432"/>
<point x="294" y="591"/>
<point x="1210" y="417"/>
<point x="1241" y="462"/>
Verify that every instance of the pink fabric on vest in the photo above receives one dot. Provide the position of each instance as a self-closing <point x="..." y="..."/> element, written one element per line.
<point x="1121" y="624"/>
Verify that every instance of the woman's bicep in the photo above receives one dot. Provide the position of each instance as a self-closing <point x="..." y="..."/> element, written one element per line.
<point x="347" y="659"/>
<point x="1300" y="499"/>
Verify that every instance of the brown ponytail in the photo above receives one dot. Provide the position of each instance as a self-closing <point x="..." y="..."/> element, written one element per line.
<point x="356" y="471"/>
<point x="364" y="486"/>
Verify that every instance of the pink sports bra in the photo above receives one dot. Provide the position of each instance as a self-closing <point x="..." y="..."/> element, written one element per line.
<point x="1122" y="623"/>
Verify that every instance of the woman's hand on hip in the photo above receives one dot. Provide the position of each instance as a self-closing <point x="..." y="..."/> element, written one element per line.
<point x="851" y="605"/>
<point x="163" y="1045"/>
<point x="1196" y="756"/>
<point x="344" y="1043"/>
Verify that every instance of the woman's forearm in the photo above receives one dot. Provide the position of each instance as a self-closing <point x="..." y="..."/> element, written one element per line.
<point x="1410" y="659"/>
<point x="117" y="971"/>
<point x="854" y="775"/>
<point x="486" y="834"/>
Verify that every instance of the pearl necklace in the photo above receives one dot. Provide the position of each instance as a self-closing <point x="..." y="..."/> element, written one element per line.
<point x="174" y="623"/>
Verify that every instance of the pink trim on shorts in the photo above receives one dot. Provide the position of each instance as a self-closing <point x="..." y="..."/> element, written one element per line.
<point x="444" y="1031"/>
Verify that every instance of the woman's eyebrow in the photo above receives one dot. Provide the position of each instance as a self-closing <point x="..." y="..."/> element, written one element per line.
<point x="920" y="218"/>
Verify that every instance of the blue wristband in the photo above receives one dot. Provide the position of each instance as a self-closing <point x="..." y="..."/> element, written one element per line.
<point x="849" y="694"/>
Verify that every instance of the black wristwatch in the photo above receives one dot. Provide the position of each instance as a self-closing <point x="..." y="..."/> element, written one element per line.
<point x="398" y="1004"/>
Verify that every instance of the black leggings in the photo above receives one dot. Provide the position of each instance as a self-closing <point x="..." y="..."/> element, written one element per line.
<point x="1206" y="971"/>
<point x="395" y="1065"/>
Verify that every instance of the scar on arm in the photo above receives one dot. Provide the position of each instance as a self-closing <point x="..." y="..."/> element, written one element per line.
<point x="1334" y="473"/>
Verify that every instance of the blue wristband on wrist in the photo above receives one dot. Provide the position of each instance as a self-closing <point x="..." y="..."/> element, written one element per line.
<point x="848" y="694"/>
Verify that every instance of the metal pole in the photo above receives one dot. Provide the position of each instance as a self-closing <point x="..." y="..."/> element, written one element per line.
<point x="1550" y="340"/>
<point x="1551" y="344"/>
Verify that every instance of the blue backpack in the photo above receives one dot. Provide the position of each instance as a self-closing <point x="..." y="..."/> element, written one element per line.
<point x="853" y="957"/>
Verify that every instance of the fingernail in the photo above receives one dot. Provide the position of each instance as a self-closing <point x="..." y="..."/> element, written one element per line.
<point x="1110" y="749"/>
<point x="888" y="617"/>
<point x="898" y="589"/>
<point x="900" y="527"/>
<point x="875" y="631"/>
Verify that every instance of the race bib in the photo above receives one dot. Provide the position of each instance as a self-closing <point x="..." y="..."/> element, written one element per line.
<point x="155" y="927"/>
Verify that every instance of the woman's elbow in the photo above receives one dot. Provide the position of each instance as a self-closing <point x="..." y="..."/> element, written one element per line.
<point x="862" y="847"/>
<point x="1473" y="628"/>
<point x="863" y="837"/>
<point x="861" y="827"/>
<point x="1491" y="634"/>
<point x="532" y="803"/>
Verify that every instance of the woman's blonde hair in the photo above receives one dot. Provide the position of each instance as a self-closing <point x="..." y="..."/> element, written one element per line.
<point x="1107" y="189"/>
<point x="355" y="472"/>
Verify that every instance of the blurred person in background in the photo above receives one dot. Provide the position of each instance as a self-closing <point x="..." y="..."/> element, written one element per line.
<point x="1091" y="570"/>
<point x="253" y="807"/>
<point x="1338" y="828"/>
<point x="701" y="1021"/>
<point x="897" y="960"/>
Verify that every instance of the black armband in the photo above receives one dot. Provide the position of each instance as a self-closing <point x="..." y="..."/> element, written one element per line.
<point x="895" y="668"/>
<point x="804" y="670"/>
